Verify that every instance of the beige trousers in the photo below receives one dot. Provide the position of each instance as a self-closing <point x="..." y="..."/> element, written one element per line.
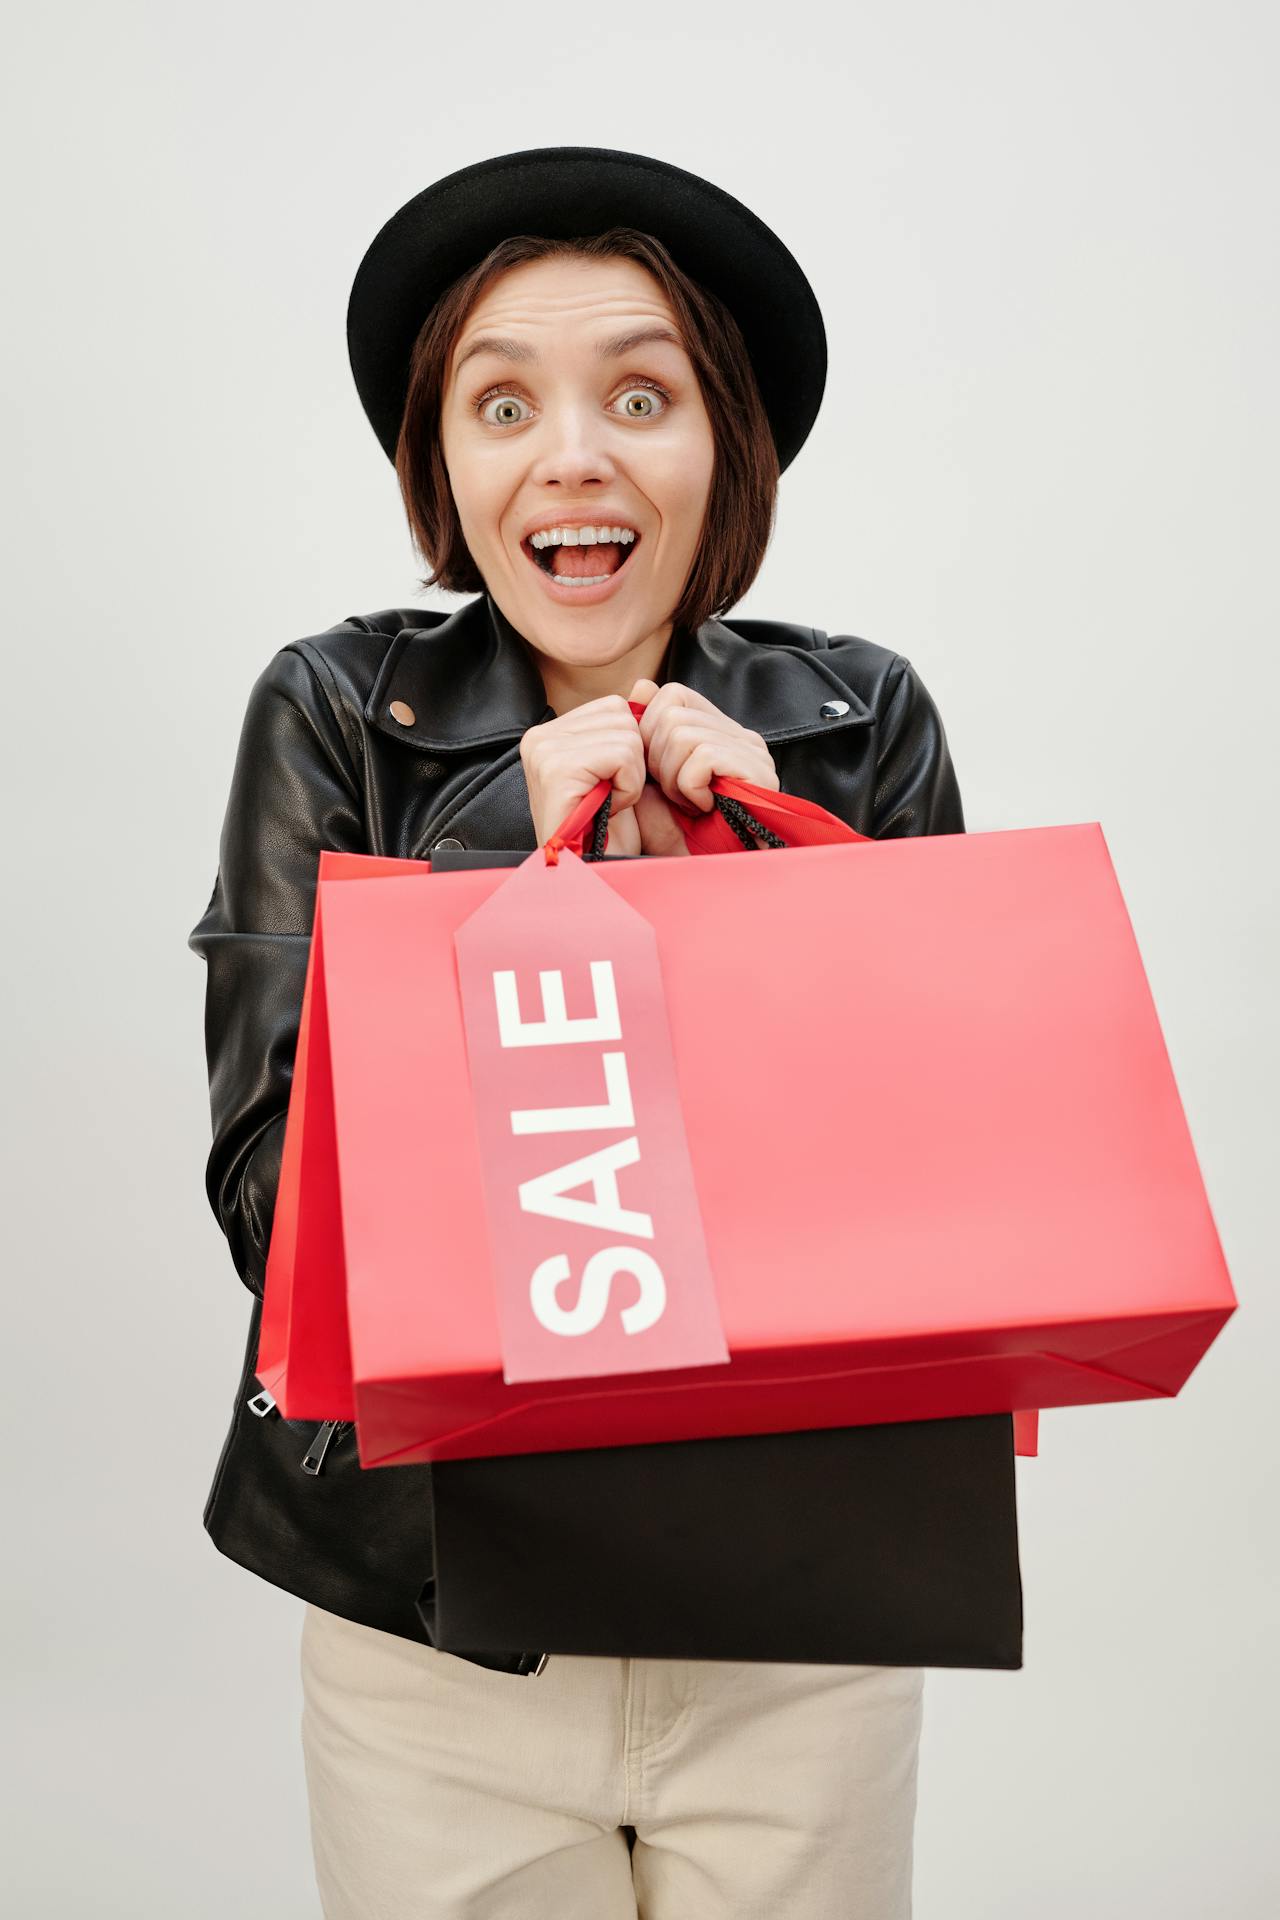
<point x="438" y="1788"/>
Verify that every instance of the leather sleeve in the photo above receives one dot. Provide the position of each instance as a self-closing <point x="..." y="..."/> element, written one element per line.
<point x="916" y="787"/>
<point x="294" y="791"/>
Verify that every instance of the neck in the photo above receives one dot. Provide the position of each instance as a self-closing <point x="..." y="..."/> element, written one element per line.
<point x="572" y="684"/>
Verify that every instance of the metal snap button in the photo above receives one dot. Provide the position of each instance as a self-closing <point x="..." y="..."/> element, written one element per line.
<point x="832" y="709"/>
<point x="403" y="712"/>
<point x="449" y="846"/>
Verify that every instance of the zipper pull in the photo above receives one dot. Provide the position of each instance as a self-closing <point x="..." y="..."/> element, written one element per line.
<point x="262" y="1402"/>
<point x="315" y="1456"/>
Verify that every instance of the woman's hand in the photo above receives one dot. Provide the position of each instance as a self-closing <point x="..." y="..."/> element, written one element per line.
<point x="687" y="742"/>
<point x="565" y="757"/>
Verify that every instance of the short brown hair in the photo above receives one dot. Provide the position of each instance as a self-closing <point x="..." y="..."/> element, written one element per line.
<point x="744" y="484"/>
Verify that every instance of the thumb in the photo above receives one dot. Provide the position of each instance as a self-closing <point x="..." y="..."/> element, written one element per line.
<point x="643" y="692"/>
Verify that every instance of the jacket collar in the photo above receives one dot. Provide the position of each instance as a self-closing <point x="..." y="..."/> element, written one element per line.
<point x="471" y="682"/>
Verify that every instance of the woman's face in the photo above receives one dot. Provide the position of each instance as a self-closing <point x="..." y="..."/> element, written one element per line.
<point x="568" y="425"/>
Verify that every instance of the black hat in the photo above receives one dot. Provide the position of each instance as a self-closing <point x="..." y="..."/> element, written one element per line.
<point x="564" y="193"/>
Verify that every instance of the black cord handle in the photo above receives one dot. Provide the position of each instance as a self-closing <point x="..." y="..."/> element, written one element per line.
<point x="744" y="824"/>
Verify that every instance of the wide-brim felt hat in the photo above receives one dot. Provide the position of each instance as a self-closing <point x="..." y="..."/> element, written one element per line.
<point x="571" y="192"/>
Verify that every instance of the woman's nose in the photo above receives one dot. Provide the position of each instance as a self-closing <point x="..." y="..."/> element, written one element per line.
<point x="572" y="447"/>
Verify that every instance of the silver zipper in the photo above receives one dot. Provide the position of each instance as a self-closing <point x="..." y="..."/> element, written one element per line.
<point x="331" y="1430"/>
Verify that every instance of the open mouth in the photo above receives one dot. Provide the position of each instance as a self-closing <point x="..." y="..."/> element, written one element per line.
<point x="586" y="568"/>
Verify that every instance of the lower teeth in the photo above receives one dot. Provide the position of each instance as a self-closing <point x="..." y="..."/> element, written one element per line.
<point x="572" y="580"/>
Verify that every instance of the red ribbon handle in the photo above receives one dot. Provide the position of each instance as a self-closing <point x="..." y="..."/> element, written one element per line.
<point x="799" y="822"/>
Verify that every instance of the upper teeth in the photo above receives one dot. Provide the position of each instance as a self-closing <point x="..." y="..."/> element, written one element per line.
<point x="580" y="536"/>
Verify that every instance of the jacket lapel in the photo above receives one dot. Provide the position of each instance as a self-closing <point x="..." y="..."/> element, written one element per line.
<point x="778" y="690"/>
<point x="468" y="683"/>
<point x="471" y="682"/>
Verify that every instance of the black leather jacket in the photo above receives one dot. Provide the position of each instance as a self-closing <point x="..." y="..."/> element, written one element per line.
<point x="393" y="733"/>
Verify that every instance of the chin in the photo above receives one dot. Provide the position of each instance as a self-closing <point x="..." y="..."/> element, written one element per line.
<point x="583" y="634"/>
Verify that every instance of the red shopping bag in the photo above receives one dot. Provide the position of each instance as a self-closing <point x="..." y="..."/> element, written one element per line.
<point x="304" y="1353"/>
<point x="303" y="1349"/>
<point x="939" y="1155"/>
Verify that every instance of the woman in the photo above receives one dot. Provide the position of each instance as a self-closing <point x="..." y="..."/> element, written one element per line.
<point x="590" y="369"/>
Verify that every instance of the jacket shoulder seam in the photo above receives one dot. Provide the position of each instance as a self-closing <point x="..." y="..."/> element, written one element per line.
<point x="324" y="676"/>
<point x="898" y="669"/>
<point x="886" y="668"/>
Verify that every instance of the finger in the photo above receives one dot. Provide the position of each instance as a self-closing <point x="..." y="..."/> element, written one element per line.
<point x="660" y="830"/>
<point x="593" y="744"/>
<point x="615" y="755"/>
<point x="657" y="734"/>
<point x="697" y="770"/>
<point x="672" y="694"/>
<point x="696" y="758"/>
<point x="689" y="696"/>
<point x="683" y="738"/>
<point x="609" y="708"/>
<point x="655" y="704"/>
<point x="628" y="776"/>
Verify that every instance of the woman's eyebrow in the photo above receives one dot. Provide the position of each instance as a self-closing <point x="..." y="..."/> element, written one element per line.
<point x="611" y="349"/>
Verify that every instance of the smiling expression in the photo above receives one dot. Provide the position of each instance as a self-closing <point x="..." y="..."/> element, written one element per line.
<point x="575" y="422"/>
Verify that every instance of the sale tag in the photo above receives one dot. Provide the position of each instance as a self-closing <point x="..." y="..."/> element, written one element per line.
<point x="600" y="1260"/>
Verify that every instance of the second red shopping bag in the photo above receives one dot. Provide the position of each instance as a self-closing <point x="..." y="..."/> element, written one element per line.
<point x="940" y="1159"/>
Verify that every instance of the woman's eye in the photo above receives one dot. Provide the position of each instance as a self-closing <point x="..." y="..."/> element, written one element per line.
<point x="645" y="390"/>
<point x="642" y="400"/>
<point x="505" y="403"/>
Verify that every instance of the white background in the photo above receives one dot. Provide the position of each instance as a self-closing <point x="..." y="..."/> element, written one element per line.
<point x="1043" y="238"/>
